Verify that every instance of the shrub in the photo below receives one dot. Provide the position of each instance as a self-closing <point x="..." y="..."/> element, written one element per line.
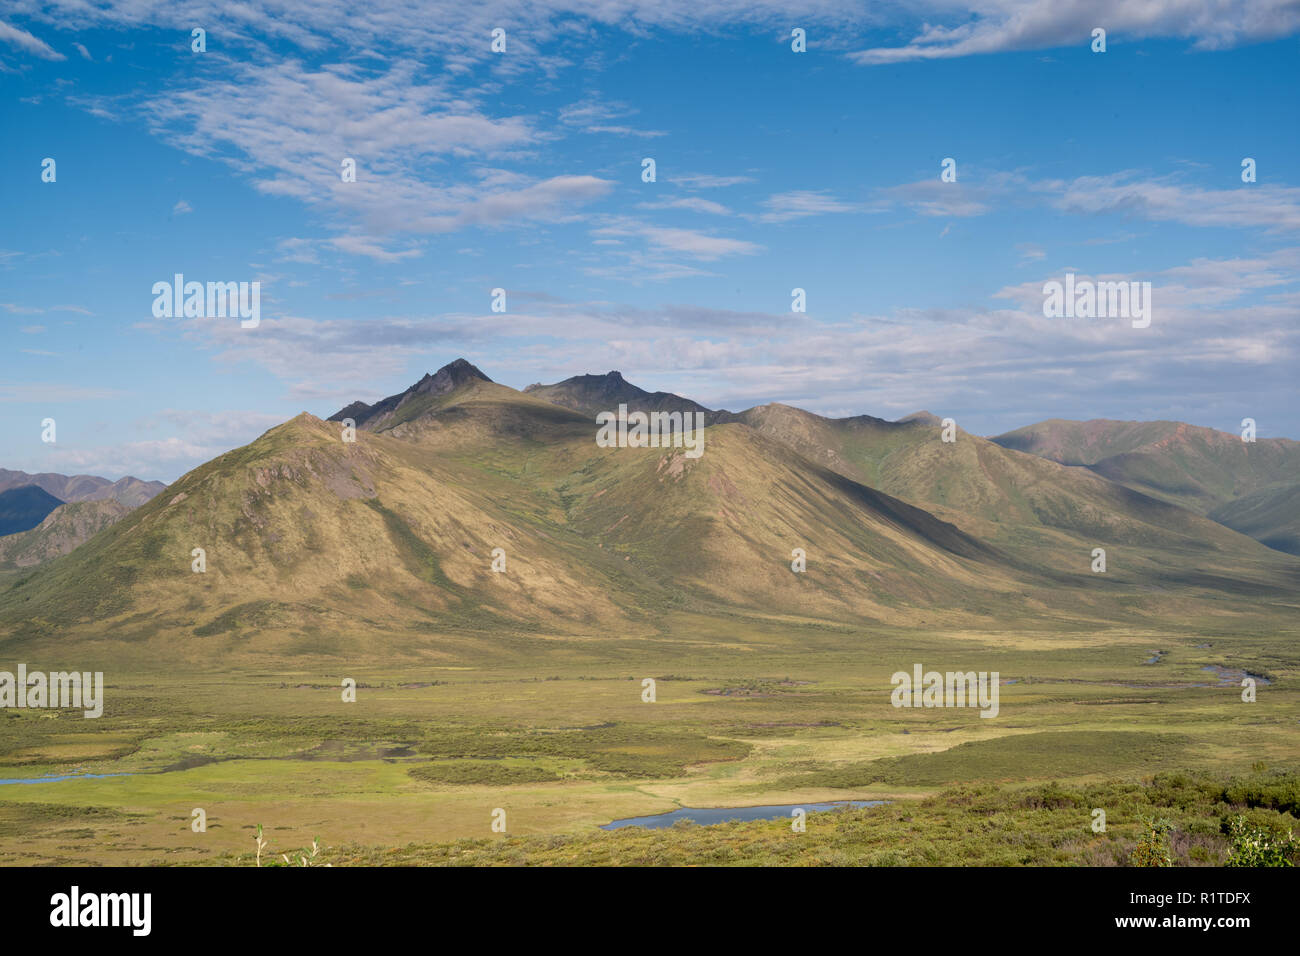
<point x="1153" y="846"/>
<point x="1258" y="846"/>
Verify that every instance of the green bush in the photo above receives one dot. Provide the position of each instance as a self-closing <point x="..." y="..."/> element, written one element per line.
<point x="1259" y="846"/>
<point x="1153" y="846"/>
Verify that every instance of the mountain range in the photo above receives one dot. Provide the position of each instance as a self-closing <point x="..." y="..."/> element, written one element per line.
<point x="128" y="491"/>
<point x="46" y="515"/>
<point x="1252" y="487"/>
<point x="391" y="538"/>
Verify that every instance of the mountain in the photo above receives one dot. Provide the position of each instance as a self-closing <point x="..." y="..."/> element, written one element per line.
<point x="1040" y="516"/>
<point x="1201" y="469"/>
<point x="1271" y="516"/>
<point x="24" y="507"/>
<point x="314" y="544"/>
<point x="922" y="417"/>
<point x="407" y="404"/>
<point x="391" y="536"/>
<point x="129" y="491"/>
<point x="63" y="529"/>
<point x="1084" y="443"/>
<point x="1014" y="501"/>
<point x="591" y="394"/>
<point x="1044" y="514"/>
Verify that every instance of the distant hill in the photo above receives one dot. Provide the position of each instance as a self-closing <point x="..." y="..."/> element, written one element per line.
<point x="1201" y="469"/>
<point x="1021" y="503"/>
<point x="24" y="507"/>
<point x="63" y="529"/>
<point x="1085" y="443"/>
<point x="1272" y="516"/>
<point x="129" y="491"/>
<point x="922" y="417"/>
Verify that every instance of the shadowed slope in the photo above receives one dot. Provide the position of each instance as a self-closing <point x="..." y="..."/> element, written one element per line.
<point x="1197" y="468"/>
<point x="592" y="394"/>
<point x="1272" y="516"/>
<point x="24" y="507"/>
<point x="63" y="529"/>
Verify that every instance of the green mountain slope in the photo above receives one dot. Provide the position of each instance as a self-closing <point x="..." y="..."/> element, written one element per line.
<point x="1197" y="468"/>
<point x="1035" y="509"/>
<point x="1043" y="519"/>
<point x="318" y="544"/>
<point x="385" y="545"/>
<point x="1271" y="516"/>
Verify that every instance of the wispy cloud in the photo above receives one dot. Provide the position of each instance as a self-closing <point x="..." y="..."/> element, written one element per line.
<point x="592" y="115"/>
<point x="708" y="181"/>
<point x="290" y="128"/>
<point x="1270" y="207"/>
<point x="692" y="242"/>
<point x="932" y="197"/>
<point x="28" y="43"/>
<point x="690" y="204"/>
<point x="997" y="26"/>
<point x="802" y="203"/>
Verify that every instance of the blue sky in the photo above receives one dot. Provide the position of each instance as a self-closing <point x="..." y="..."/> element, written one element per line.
<point x="522" y="170"/>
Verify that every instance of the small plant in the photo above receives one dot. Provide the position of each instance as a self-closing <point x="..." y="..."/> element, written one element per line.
<point x="1153" y="847"/>
<point x="305" y="858"/>
<point x="1256" y="846"/>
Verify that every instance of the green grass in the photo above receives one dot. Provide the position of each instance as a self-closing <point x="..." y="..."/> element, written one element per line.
<point x="1054" y="753"/>
<point x="553" y="729"/>
<point x="1044" y="825"/>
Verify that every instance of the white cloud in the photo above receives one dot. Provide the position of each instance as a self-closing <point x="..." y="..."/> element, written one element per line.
<point x="996" y="26"/>
<point x="595" y="116"/>
<point x="26" y="41"/>
<point x="290" y="128"/>
<point x="691" y="242"/>
<point x="801" y="203"/>
<point x="689" y="203"/>
<point x="933" y="197"/>
<point x="359" y="246"/>
<point x="708" y="181"/>
<point x="1260" y="205"/>
<point x="142" y="459"/>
